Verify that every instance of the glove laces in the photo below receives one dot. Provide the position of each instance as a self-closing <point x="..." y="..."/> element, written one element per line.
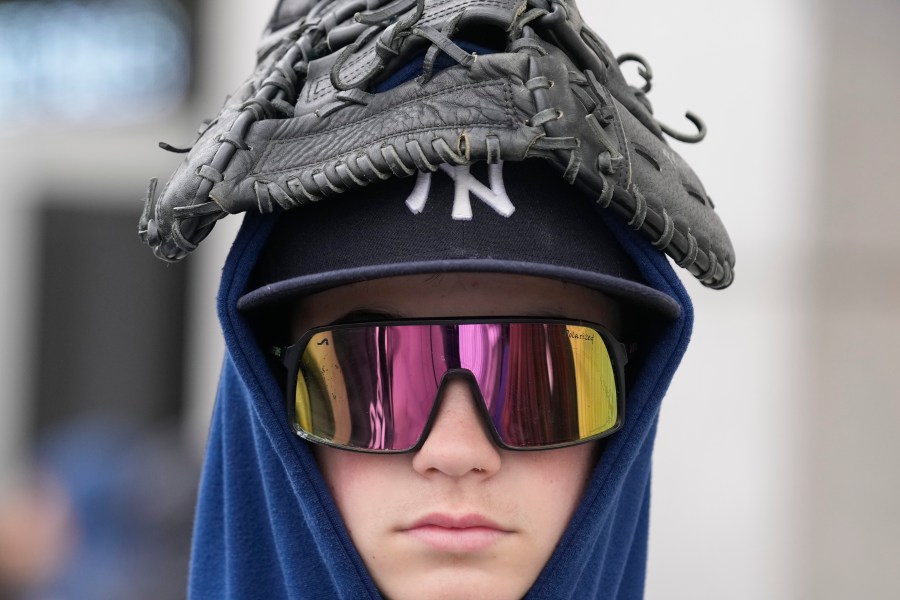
<point x="393" y="32"/>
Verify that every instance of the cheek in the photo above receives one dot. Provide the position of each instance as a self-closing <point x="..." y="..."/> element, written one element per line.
<point x="359" y="483"/>
<point x="570" y="466"/>
<point x="340" y="469"/>
<point x="559" y="479"/>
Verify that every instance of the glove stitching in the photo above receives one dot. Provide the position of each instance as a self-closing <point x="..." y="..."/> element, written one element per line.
<point x="364" y="162"/>
<point x="348" y="177"/>
<point x="147" y="228"/>
<point x="196" y="210"/>
<point x="180" y="241"/>
<point x="271" y="144"/>
<point x="229" y="138"/>
<point x="663" y="241"/>
<point x="354" y="65"/>
<point x="509" y="105"/>
<point x="417" y="154"/>
<point x="368" y="169"/>
<point x="640" y="209"/>
<point x="690" y="256"/>
<point x="372" y="143"/>
<point x="325" y="185"/>
<point x="209" y="173"/>
<point x="299" y="191"/>
<point x="709" y="275"/>
<point x="606" y="193"/>
<point x="526" y="18"/>
<point x="525" y="44"/>
<point x="435" y="49"/>
<point x="392" y="158"/>
<point x="543" y="117"/>
<point x="418" y="100"/>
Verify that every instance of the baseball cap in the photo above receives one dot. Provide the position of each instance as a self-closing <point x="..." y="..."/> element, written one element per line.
<point x="512" y="217"/>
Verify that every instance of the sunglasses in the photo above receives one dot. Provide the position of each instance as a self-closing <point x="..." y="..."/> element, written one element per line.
<point x="376" y="387"/>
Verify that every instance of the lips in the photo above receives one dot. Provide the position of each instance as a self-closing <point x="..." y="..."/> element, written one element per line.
<point x="456" y="534"/>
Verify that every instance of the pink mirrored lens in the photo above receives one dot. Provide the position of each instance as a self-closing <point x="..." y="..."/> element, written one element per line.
<point x="374" y="387"/>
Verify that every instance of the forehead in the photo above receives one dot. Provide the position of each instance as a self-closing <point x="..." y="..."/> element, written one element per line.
<point x="458" y="295"/>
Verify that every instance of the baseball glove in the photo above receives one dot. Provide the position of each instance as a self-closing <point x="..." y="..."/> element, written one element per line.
<point x="348" y="92"/>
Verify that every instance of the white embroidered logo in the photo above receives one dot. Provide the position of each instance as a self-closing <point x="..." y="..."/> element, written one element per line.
<point x="465" y="184"/>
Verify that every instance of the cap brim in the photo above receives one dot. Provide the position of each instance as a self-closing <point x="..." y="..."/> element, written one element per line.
<point x="631" y="291"/>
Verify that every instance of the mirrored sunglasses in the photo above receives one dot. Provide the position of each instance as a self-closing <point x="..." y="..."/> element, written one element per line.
<point x="376" y="387"/>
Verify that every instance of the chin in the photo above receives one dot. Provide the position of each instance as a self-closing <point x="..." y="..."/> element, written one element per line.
<point x="456" y="582"/>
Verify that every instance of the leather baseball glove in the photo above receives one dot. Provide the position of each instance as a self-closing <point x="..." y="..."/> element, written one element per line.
<point x="348" y="92"/>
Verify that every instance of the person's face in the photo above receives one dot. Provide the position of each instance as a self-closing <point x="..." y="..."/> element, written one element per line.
<point x="459" y="518"/>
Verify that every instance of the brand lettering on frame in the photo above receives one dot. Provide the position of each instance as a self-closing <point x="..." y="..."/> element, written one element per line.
<point x="465" y="186"/>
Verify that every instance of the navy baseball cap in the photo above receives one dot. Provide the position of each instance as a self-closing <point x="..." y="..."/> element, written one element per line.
<point x="512" y="217"/>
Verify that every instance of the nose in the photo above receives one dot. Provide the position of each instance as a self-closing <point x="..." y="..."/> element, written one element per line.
<point x="459" y="442"/>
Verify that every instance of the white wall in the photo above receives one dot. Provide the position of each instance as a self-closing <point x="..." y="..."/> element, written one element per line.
<point x="724" y="487"/>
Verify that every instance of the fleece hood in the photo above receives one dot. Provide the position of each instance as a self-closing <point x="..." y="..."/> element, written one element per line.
<point x="266" y="524"/>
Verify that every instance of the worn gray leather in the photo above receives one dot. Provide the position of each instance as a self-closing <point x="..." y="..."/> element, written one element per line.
<point x="554" y="91"/>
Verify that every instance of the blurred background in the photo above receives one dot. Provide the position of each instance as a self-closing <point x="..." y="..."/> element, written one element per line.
<point x="777" y="472"/>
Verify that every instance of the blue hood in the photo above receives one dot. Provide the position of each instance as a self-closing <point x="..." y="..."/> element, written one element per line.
<point x="266" y="524"/>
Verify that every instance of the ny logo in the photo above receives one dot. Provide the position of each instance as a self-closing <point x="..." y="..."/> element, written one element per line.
<point x="465" y="185"/>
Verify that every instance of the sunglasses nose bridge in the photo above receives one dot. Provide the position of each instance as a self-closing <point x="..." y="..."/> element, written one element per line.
<point x="461" y="374"/>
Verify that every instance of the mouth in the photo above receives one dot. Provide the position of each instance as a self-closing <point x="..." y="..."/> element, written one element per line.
<point x="466" y="533"/>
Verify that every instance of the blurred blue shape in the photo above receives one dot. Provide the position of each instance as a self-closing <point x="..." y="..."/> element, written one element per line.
<point x="132" y="493"/>
<point x="97" y="60"/>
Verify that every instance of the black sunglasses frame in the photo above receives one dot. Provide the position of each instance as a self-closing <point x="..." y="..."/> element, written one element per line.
<point x="292" y="356"/>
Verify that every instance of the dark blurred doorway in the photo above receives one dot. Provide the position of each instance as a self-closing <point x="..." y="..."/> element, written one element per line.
<point x="111" y="321"/>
